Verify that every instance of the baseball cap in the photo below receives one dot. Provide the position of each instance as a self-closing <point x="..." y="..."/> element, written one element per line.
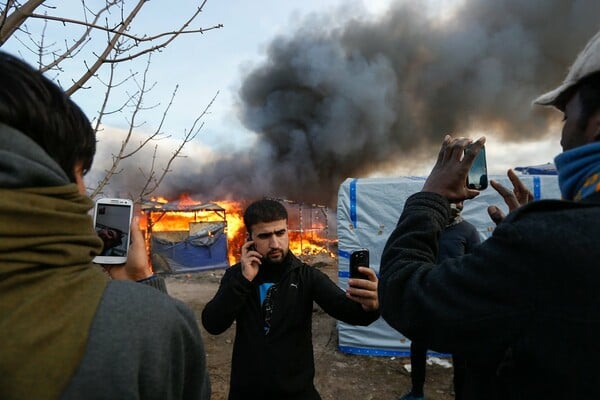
<point x="586" y="64"/>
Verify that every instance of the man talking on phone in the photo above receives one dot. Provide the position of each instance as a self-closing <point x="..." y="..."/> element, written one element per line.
<point x="524" y="307"/>
<point x="270" y="294"/>
<point x="66" y="330"/>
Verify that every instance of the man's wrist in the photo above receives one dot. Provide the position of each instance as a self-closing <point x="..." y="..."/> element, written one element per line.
<point x="148" y="278"/>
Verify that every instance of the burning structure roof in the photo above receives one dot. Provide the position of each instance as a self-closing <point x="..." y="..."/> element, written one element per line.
<point x="179" y="205"/>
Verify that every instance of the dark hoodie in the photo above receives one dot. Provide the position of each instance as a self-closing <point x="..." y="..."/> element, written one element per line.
<point x="276" y="363"/>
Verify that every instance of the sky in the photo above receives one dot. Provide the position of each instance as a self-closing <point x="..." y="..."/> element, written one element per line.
<point x="316" y="91"/>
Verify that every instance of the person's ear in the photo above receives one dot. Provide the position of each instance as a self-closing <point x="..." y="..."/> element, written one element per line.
<point x="78" y="172"/>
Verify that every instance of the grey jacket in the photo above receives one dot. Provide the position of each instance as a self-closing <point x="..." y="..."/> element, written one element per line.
<point x="143" y="344"/>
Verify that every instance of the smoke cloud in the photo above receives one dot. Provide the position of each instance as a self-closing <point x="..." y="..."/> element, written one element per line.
<point x="331" y="102"/>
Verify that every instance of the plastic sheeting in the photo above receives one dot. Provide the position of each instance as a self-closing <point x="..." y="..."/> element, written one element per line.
<point x="203" y="247"/>
<point x="367" y="212"/>
<point x="542" y="169"/>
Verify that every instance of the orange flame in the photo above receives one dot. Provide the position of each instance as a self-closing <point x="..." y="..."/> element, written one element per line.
<point x="310" y="242"/>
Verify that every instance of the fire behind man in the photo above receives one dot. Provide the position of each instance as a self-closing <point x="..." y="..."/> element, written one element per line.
<point x="270" y="295"/>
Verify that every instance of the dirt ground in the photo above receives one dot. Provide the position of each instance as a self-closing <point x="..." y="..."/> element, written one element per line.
<point x="339" y="376"/>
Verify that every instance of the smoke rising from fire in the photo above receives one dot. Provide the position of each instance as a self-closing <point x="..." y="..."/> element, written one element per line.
<point x="333" y="101"/>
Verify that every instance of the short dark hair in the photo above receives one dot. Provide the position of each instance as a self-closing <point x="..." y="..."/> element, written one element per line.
<point x="37" y="107"/>
<point x="589" y="98"/>
<point x="265" y="210"/>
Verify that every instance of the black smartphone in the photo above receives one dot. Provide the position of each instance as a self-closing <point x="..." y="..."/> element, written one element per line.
<point x="477" y="178"/>
<point x="248" y="239"/>
<point x="359" y="258"/>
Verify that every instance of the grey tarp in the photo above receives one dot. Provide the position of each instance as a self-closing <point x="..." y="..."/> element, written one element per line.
<point x="367" y="212"/>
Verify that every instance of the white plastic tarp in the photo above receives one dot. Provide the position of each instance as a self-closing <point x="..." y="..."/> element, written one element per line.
<point x="367" y="212"/>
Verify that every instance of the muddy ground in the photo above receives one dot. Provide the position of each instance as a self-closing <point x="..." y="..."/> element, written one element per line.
<point x="339" y="376"/>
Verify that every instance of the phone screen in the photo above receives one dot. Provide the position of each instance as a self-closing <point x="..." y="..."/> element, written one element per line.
<point x="112" y="219"/>
<point x="477" y="177"/>
<point x="359" y="258"/>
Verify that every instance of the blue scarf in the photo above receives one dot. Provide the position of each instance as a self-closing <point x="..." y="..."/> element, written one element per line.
<point x="579" y="171"/>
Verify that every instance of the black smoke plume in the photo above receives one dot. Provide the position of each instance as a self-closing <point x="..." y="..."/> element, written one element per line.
<point x="331" y="102"/>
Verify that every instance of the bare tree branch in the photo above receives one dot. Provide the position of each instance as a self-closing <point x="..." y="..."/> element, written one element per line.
<point x="117" y="158"/>
<point x="189" y="136"/>
<point x="85" y="36"/>
<point x="111" y="21"/>
<point x="110" y="46"/>
<point x="163" y="45"/>
<point x="117" y="30"/>
<point x="13" y="21"/>
<point x="4" y="13"/>
<point x="158" y="130"/>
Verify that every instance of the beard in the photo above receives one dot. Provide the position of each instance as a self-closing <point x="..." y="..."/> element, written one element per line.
<point x="271" y="269"/>
<point x="276" y="256"/>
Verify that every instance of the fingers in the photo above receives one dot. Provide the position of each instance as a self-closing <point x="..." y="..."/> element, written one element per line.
<point x="247" y="247"/>
<point x="471" y="193"/>
<point x="457" y="149"/>
<point x="363" y="287"/>
<point x="250" y="260"/>
<point x="519" y="196"/>
<point x="368" y="271"/>
<point x="366" y="295"/>
<point x="137" y="237"/>
<point x="522" y="192"/>
<point x="472" y="149"/>
<point x="495" y="214"/>
<point x="509" y="197"/>
<point x="443" y="150"/>
<point x="449" y="176"/>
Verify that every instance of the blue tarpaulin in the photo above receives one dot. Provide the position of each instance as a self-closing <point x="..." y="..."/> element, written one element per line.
<point x="201" y="247"/>
<point x="542" y="169"/>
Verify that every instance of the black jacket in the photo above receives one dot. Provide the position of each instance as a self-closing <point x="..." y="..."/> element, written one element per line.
<point x="524" y="305"/>
<point x="279" y="364"/>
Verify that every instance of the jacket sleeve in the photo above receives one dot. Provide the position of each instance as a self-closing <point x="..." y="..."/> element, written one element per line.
<point x="156" y="282"/>
<point x="196" y="380"/>
<point x="473" y="239"/>
<point x="463" y="303"/>
<point x="334" y="302"/>
<point x="221" y="311"/>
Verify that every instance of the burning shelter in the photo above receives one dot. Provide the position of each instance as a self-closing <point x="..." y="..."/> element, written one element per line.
<point x="189" y="236"/>
<point x="185" y="236"/>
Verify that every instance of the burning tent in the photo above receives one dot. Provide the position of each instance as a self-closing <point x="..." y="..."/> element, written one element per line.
<point x="185" y="236"/>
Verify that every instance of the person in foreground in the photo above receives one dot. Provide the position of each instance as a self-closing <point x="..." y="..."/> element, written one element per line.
<point x="270" y="294"/>
<point x="524" y="307"/>
<point x="458" y="238"/>
<point x="66" y="330"/>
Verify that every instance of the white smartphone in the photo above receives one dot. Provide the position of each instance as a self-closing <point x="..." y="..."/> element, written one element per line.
<point x="112" y="221"/>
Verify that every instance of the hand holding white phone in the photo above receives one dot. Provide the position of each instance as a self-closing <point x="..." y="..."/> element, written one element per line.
<point x="112" y="222"/>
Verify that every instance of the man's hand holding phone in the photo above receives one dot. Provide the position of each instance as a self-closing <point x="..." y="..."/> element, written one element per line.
<point x="449" y="174"/>
<point x="251" y="260"/>
<point x="123" y="255"/>
<point x="137" y="266"/>
<point x="362" y="285"/>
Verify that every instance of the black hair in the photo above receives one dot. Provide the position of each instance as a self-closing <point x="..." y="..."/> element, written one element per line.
<point x="265" y="210"/>
<point x="37" y="107"/>
<point x="589" y="98"/>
